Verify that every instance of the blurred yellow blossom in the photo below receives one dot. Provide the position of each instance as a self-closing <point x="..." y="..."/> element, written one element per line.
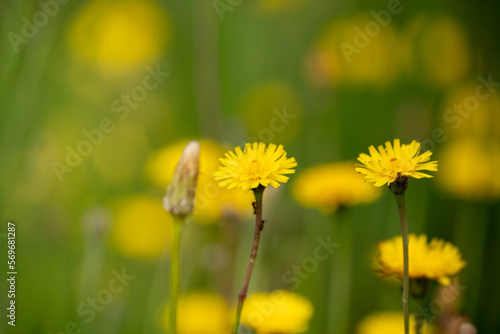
<point x="279" y="311"/>
<point x="389" y="322"/>
<point x="471" y="110"/>
<point x="329" y="186"/>
<point x="211" y="202"/>
<point x="119" y="35"/>
<point x="436" y="260"/>
<point x="470" y="169"/>
<point x="141" y="226"/>
<point x="200" y="313"/>
<point x="346" y="53"/>
<point x="444" y="52"/>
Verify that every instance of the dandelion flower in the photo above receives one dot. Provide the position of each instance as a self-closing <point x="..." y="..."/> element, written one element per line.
<point x="200" y="312"/>
<point x="392" y="163"/>
<point x="436" y="260"/>
<point x="255" y="165"/>
<point x="280" y="311"/>
<point x="327" y="187"/>
<point x="388" y="323"/>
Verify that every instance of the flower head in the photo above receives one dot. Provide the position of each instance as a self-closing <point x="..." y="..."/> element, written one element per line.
<point x="330" y="186"/>
<point x="209" y="310"/>
<point x="255" y="165"/>
<point x="395" y="163"/>
<point x="285" y="312"/>
<point x="388" y="323"/>
<point x="436" y="260"/>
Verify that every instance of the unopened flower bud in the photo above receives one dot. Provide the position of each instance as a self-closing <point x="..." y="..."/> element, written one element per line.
<point x="179" y="199"/>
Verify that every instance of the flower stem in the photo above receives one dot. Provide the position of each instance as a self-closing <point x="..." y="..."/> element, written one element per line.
<point x="419" y="322"/>
<point x="340" y="275"/>
<point x="174" y="272"/>
<point x="400" y="198"/>
<point x="259" y="225"/>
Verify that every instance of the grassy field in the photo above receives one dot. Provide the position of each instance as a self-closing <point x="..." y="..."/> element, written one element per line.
<point x="98" y="98"/>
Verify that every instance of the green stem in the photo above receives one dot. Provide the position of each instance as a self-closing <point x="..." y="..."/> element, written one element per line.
<point x="419" y="322"/>
<point x="174" y="272"/>
<point x="339" y="276"/>
<point x="400" y="198"/>
<point x="259" y="225"/>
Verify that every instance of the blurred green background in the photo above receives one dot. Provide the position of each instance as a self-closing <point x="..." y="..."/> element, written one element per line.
<point x="139" y="76"/>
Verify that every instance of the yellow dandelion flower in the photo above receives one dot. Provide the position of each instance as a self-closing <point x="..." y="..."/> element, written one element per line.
<point x="391" y="163"/>
<point x="329" y="186"/>
<point x="211" y="202"/>
<point x="200" y="312"/>
<point x="388" y="323"/>
<point x="141" y="227"/>
<point x="255" y="165"/>
<point x="436" y="260"/>
<point x="280" y="311"/>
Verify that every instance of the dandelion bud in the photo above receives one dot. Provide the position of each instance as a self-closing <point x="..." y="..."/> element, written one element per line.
<point x="179" y="199"/>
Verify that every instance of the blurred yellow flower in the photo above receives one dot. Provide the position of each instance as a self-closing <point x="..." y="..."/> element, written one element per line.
<point x="327" y="187"/>
<point x="141" y="226"/>
<point x="119" y="35"/>
<point x="444" y="52"/>
<point x="280" y="311"/>
<point x="470" y="169"/>
<point x="390" y="163"/>
<point x="388" y="323"/>
<point x="471" y="110"/>
<point x="200" y="313"/>
<point x="436" y="260"/>
<point x="255" y="165"/>
<point x="211" y="202"/>
<point x="346" y="53"/>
